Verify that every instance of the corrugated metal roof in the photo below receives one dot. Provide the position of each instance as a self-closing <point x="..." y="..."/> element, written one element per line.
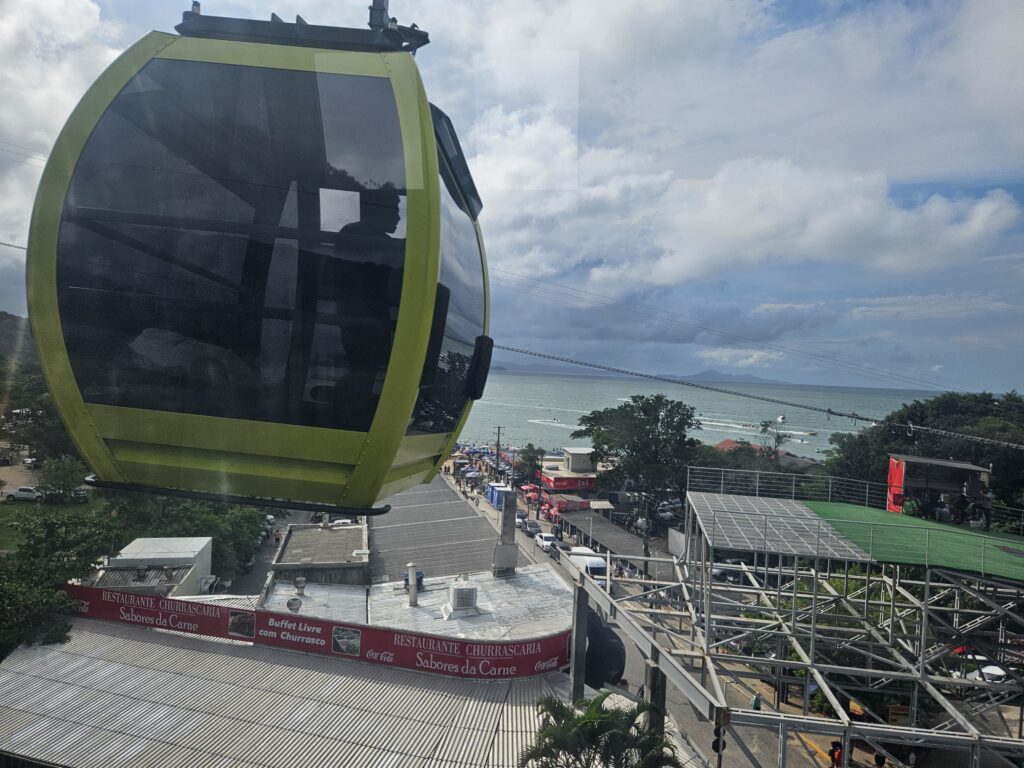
<point x="125" y="696"/>
<point x="139" y="578"/>
<point x="939" y="462"/>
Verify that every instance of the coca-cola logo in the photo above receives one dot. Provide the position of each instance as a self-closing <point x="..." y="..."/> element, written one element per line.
<point x="384" y="657"/>
<point x="551" y="663"/>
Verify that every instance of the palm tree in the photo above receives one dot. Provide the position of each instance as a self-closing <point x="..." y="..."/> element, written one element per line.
<point x="592" y="736"/>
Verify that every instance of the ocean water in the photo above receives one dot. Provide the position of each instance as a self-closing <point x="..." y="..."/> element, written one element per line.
<point x="543" y="409"/>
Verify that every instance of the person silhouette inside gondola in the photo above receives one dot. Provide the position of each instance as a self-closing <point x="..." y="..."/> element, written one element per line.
<point x="364" y="282"/>
<point x="379" y="213"/>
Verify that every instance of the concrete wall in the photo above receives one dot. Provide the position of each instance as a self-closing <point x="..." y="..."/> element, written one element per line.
<point x="578" y="462"/>
<point x="676" y="542"/>
<point x="325" y="573"/>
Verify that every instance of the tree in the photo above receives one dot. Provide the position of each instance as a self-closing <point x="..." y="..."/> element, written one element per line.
<point x="235" y="529"/>
<point x="771" y="439"/>
<point x="645" y="440"/>
<point x="62" y="475"/>
<point x="34" y="612"/>
<point x="593" y="735"/>
<point x="865" y="455"/>
<point x="528" y="462"/>
<point x="59" y="544"/>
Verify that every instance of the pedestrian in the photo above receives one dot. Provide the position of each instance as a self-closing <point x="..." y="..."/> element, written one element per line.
<point x="835" y="754"/>
<point x="987" y="497"/>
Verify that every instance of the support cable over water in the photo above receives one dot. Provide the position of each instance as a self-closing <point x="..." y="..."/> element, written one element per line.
<point x="852" y="415"/>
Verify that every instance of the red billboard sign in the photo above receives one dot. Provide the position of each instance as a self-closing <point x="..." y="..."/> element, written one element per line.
<point x="428" y="653"/>
<point x="163" y="612"/>
<point x="567" y="483"/>
<point x="377" y="645"/>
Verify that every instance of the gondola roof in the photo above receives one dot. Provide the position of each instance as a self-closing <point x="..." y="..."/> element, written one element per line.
<point x="387" y="38"/>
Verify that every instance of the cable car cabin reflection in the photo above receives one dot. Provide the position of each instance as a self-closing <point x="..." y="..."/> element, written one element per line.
<point x="266" y="277"/>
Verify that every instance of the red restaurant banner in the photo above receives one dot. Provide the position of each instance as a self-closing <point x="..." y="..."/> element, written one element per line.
<point x="163" y="612"/>
<point x="377" y="645"/>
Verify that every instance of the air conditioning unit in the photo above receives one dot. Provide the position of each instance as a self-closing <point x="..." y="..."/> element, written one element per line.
<point x="462" y="597"/>
<point x="461" y="600"/>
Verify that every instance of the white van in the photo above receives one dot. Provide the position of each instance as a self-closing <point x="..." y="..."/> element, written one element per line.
<point x="588" y="561"/>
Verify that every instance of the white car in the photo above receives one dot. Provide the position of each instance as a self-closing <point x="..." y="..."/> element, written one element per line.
<point x="25" y="493"/>
<point x="993" y="673"/>
<point x="544" y="540"/>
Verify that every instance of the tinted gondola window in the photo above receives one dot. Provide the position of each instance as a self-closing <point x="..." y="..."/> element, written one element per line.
<point x="442" y="397"/>
<point x="232" y="245"/>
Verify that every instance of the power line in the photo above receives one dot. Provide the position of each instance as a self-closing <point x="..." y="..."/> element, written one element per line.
<point x="12" y="245"/>
<point x="40" y="155"/>
<point x="850" y="365"/>
<point x="854" y="416"/>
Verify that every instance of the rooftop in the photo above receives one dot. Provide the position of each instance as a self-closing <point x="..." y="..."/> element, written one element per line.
<point x="183" y="548"/>
<point x="939" y="462"/>
<point x="324" y="545"/>
<point x="896" y="538"/>
<point x="763" y="524"/>
<point x="533" y="603"/>
<point x="854" y="533"/>
<point x="135" y="579"/>
<point x="121" y="696"/>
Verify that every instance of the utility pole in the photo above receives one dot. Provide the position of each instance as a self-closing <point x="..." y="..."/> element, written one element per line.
<point x="506" y="552"/>
<point x="497" y="451"/>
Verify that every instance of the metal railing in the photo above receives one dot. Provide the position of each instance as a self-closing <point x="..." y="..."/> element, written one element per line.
<point x="889" y="542"/>
<point x="784" y="485"/>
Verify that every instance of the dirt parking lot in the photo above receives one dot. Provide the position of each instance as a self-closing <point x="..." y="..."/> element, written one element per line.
<point x="17" y="475"/>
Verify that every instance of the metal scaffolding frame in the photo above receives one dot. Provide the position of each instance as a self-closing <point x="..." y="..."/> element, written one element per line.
<point x="907" y="643"/>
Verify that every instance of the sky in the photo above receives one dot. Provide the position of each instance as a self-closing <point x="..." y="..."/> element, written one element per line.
<point x="822" y="193"/>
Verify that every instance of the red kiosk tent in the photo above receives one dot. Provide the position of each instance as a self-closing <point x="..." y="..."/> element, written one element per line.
<point x="917" y="473"/>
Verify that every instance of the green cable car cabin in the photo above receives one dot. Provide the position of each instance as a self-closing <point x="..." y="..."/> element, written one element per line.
<point x="255" y="270"/>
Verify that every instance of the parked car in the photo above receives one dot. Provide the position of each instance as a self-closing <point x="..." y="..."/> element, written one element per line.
<point x="520" y="519"/>
<point x="558" y="548"/>
<point x="26" y="493"/>
<point x="32" y="463"/>
<point x="992" y="673"/>
<point x="51" y="495"/>
<point x="5" y="460"/>
<point x="79" y="496"/>
<point x="544" y="540"/>
<point x="531" y="528"/>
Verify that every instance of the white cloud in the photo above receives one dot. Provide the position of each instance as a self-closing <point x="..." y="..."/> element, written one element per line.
<point x="741" y="358"/>
<point x="51" y="52"/>
<point x="764" y="212"/>
<point x="930" y="307"/>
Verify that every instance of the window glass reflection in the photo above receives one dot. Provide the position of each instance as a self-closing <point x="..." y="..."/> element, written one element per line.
<point x="442" y="397"/>
<point x="232" y="245"/>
